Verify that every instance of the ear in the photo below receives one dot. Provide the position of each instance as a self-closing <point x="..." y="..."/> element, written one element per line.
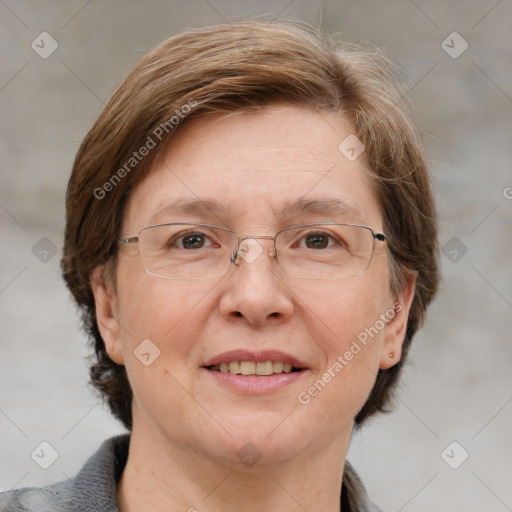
<point x="105" y="299"/>
<point x="396" y="326"/>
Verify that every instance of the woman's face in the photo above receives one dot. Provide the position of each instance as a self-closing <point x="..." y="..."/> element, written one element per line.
<point x="253" y="167"/>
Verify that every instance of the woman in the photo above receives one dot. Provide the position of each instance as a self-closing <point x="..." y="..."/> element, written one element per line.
<point x="251" y="238"/>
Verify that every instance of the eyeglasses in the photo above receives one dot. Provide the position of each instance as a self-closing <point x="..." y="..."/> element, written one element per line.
<point x="203" y="251"/>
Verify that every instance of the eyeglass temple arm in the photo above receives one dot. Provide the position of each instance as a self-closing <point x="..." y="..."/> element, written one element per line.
<point x="130" y="240"/>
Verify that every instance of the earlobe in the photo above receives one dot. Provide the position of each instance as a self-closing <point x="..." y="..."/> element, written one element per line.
<point x="396" y="327"/>
<point x="105" y="300"/>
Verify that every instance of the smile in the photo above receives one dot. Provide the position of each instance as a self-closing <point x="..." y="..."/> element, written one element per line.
<point x="252" y="372"/>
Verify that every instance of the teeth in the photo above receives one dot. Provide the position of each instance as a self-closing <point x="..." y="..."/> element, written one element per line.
<point x="234" y="367"/>
<point x="278" y="367"/>
<point x="253" y="368"/>
<point x="247" y="367"/>
<point x="266" y="368"/>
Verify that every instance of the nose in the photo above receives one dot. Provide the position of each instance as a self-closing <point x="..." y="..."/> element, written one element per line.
<point x="255" y="292"/>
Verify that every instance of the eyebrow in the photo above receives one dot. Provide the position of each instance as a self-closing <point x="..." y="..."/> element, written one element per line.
<point x="210" y="207"/>
<point x="332" y="207"/>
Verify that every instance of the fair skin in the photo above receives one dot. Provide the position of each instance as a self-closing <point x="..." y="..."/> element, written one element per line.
<point x="188" y="426"/>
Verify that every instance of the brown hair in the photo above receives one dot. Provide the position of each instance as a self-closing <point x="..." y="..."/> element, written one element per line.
<point x="236" y="68"/>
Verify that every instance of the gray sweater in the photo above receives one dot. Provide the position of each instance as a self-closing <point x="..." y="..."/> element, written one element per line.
<point x="94" y="488"/>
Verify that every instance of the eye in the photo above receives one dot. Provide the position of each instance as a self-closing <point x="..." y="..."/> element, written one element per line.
<point x="191" y="240"/>
<point x="332" y="239"/>
<point x="317" y="240"/>
<point x="195" y="241"/>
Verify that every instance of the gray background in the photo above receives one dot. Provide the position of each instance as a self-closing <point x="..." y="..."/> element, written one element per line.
<point x="457" y="386"/>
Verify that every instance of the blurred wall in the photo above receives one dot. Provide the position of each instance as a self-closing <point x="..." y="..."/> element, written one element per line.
<point x="458" y="385"/>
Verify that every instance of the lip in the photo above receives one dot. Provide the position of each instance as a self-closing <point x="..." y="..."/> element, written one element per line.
<point x="256" y="356"/>
<point x="253" y="384"/>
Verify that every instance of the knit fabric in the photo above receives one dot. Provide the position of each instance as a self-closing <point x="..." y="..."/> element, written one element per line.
<point x="94" y="487"/>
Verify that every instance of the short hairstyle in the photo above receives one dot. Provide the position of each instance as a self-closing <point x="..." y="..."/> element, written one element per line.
<point x="245" y="67"/>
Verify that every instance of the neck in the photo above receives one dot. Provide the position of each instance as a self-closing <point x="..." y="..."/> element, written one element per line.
<point x="161" y="475"/>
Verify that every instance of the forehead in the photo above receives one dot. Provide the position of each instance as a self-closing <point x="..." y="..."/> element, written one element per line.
<point x="279" y="164"/>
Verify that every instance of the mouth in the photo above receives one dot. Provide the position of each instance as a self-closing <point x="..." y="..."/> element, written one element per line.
<point x="259" y="368"/>
<point x="250" y="372"/>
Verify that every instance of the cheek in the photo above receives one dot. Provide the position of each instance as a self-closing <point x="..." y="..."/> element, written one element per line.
<point x="164" y="311"/>
<point x="344" y="319"/>
<point x="162" y="322"/>
<point x="338" y="311"/>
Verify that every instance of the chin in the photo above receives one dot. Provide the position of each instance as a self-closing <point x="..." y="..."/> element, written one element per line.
<point x="260" y="438"/>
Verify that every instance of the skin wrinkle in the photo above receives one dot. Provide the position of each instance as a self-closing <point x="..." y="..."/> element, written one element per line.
<point x="305" y="160"/>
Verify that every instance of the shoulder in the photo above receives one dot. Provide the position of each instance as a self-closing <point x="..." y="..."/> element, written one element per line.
<point x="93" y="489"/>
<point x="54" y="497"/>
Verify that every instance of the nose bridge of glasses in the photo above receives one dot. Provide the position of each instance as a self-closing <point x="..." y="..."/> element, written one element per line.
<point x="249" y="249"/>
<point x="254" y="237"/>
